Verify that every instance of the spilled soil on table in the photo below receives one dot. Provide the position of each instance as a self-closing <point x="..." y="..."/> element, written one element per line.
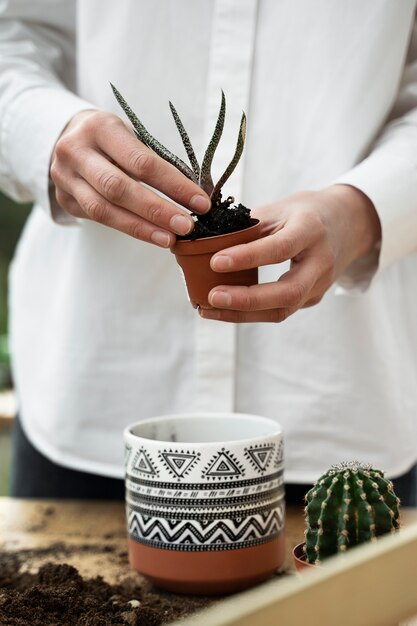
<point x="58" y="595"/>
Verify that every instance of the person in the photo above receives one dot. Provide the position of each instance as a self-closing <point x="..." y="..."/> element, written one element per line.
<point x="101" y="331"/>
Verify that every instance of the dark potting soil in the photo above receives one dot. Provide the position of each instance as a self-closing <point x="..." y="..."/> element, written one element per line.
<point x="57" y="595"/>
<point x="221" y="219"/>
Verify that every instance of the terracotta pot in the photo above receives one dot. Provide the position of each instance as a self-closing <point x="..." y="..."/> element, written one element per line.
<point x="208" y="573"/>
<point x="300" y="559"/>
<point x="194" y="259"/>
<point x="205" y="501"/>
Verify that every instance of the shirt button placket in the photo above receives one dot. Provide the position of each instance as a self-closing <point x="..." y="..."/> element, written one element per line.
<point x="231" y="52"/>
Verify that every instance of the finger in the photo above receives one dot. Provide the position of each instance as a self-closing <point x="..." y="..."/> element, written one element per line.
<point x="240" y="317"/>
<point x="319" y="290"/>
<point x="141" y="163"/>
<point x="119" y="189"/>
<point x="312" y="302"/>
<point x="69" y="203"/>
<point x="101" y="210"/>
<point x="291" y="290"/>
<point x="281" y="246"/>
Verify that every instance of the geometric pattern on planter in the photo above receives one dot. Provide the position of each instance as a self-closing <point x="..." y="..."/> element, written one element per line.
<point x="204" y="494"/>
<point x="207" y="535"/>
<point x="223" y="464"/>
<point x="143" y="464"/>
<point x="214" y="513"/>
<point x="279" y="457"/>
<point x="264" y="479"/>
<point x="178" y="463"/>
<point x="260" y="456"/>
<point x="212" y="501"/>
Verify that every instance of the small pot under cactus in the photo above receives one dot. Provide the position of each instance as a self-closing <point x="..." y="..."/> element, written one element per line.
<point x="352" y="503"/>
<point x="225" y="224"/>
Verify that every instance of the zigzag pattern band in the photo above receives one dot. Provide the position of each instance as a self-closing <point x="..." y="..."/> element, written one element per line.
<point x="206" y="534"/>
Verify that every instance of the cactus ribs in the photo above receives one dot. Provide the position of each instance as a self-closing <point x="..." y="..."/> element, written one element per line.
<point x="350" y="504"/>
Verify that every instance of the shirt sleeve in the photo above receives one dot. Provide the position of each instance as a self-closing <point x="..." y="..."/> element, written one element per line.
<point x="36" y="98"/>
<point x="388" y="176"/>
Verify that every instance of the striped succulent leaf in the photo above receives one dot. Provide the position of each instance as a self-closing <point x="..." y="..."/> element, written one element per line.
<point x="185" y="140"/>
<point x="235" y="160"/>
<point x="205" y="180"/>
<point x="150" y="141"/>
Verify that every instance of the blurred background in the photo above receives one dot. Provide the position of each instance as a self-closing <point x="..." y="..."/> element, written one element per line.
<point x="12" y="219"/>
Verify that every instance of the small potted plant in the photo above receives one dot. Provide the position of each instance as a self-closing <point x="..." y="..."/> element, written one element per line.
<point x="225" y="224"/>
<point x="350" y="504"/>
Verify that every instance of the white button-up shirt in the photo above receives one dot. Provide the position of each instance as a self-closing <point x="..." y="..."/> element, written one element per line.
<point x="102" y="332"/>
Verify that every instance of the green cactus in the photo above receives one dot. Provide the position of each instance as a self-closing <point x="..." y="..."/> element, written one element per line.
<point x="352" y="503"/>
<point x="201" y="176"/>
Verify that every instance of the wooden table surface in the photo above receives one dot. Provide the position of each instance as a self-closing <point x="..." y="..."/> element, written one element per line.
<point x="89" y="535"/>
<point x="92" y="535"/>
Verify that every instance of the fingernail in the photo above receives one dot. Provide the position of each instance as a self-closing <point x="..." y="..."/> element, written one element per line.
<point x="221" y="262"/>
<point x="220" y="299"/>
<point x="161" y="238"/>
<point x="181" y="225"/>
<point x="201" y="204"/>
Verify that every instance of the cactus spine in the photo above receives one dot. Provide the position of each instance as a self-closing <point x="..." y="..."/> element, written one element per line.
<point x="350" y="504"/>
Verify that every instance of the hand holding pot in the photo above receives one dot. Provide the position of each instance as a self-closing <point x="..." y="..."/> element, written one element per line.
<point x="321" y="232"/>
<point x="98" y="167"/>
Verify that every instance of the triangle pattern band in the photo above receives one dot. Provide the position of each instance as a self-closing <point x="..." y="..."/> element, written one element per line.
<point x="143" y="464"/>
<point x="223" y="465"/>
<point x="178" y="462"/>
<point x="261" y="456"/>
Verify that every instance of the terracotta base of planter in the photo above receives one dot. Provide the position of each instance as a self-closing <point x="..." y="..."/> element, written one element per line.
<point x="207" y="573"/>
<point x="300" y="559"/>
<point x="194" y="259"/>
